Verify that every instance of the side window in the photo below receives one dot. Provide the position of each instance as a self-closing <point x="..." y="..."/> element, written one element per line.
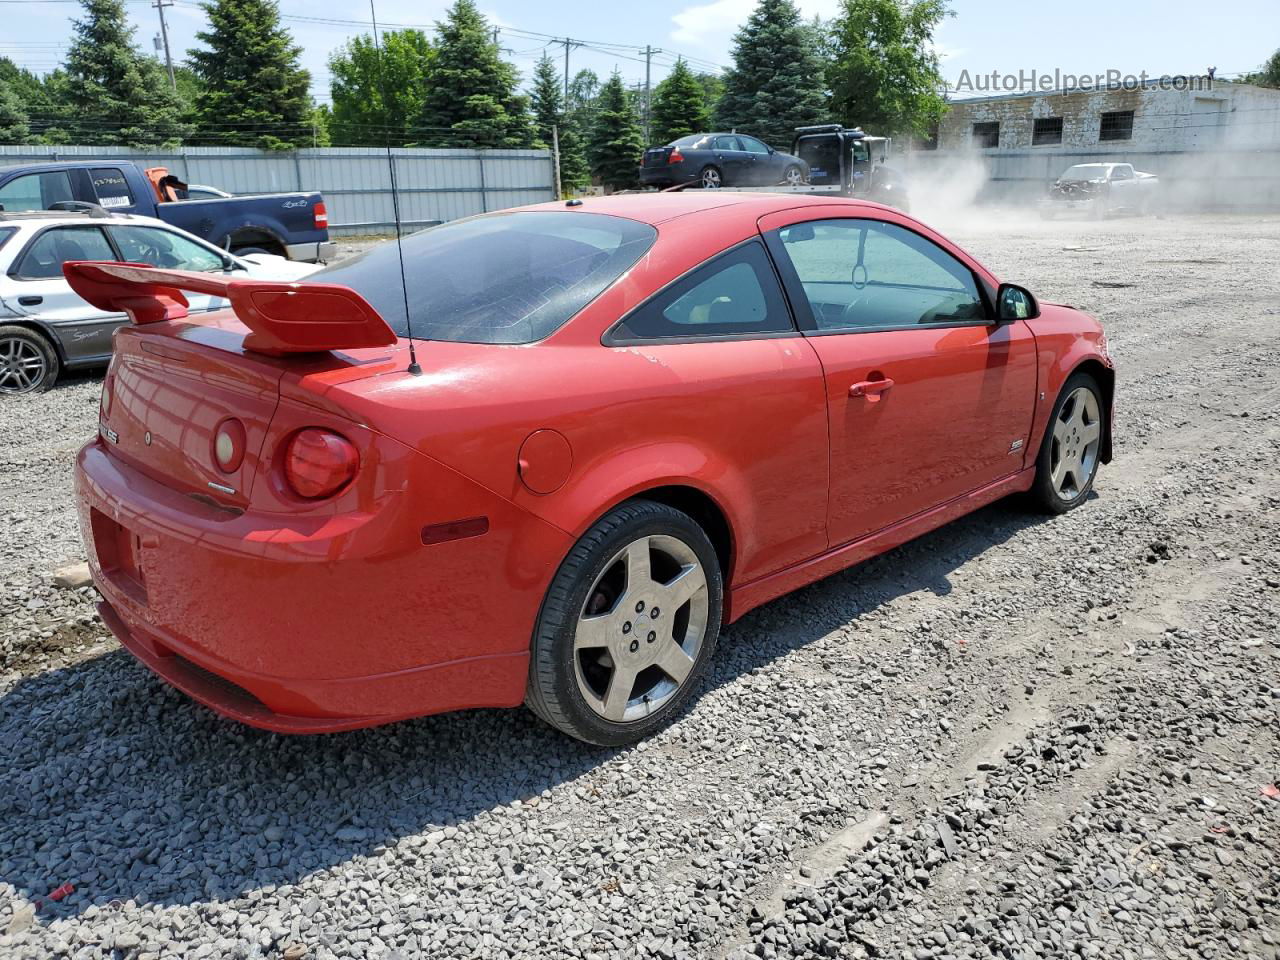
<point x="111" y="187"/>
<point x="727" y="143"/>
<point x="161" y="248"/>
<point x="735" y="295"/>
<point x="35" y="191"/>
<point x="868" y="275"/>
<point x="751" y="145"/>
<point x="43" y="260"/>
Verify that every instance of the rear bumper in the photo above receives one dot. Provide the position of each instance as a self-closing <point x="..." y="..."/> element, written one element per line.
<point x="665" y="176"/>
<point x="312" y="252"/>
<point x="295" y="628"/>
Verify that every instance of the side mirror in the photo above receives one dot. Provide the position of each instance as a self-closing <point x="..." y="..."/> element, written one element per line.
<point x="1015" y="303"/>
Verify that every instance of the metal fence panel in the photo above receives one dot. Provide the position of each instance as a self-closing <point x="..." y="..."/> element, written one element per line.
<point x="442" y="184"/>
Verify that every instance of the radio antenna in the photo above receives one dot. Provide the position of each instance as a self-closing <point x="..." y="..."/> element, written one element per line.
<point x="395" y="197"/>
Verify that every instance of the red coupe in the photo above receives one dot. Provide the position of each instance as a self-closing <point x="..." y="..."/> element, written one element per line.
<point x="582" y="439"/>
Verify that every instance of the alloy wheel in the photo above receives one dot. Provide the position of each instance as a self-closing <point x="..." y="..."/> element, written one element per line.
<point x="1077" y="434"/>
<point x="793" y="177"/>
<point x="641" y="628"/>
<point x="710" y="178"/>
<point x="22" y="365"/>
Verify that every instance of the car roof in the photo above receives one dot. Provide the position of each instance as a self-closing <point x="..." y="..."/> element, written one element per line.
<point x="658" y="207"/>
<point x="45" y="217"/>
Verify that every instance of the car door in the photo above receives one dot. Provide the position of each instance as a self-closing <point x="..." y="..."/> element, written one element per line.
<point x="160" y="247"/>
<point x="762" y="167"/>
<point x="1123" y="186"/>
<point x="928" y="398"/>
<point x="747" y="390"/>
<point x="732" y="161"/>
<point x="40" y="290"/>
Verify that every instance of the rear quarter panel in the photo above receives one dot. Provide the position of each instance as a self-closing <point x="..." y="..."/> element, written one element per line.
<point x="288" y="216"/>
<point x="744" y="422"/>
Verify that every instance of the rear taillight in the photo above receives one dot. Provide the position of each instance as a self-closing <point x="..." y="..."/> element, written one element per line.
<point x="319" y="463"/>
<point x="228" y="445"/>
<point x="675" y="157"/>
<point x="321" y="215"/>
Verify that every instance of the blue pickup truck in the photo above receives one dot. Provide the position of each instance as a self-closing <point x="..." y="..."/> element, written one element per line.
<point x="293" y="225"/>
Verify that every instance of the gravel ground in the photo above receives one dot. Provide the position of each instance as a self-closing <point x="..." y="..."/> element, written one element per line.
<point x="1016" y="737"/>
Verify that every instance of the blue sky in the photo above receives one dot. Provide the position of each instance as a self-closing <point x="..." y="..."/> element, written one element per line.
<point x="1077" y="36"/>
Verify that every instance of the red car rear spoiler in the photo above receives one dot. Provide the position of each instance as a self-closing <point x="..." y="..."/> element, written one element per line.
<point x="282" y="317"/>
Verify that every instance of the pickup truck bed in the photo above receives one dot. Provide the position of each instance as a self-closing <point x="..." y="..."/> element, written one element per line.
<point x="293" y="225"/>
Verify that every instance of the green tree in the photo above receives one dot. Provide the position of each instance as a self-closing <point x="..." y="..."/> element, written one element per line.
<point x="547" y="102"/>
<point x="1269" y="75"/>
<point x="712" y="85"/>
<point x="616" y="145"/>
<point x="14" y="127"/>
<point x="254" y="91"/>
<point x="112" y="93"/>
<point x="378" y="96"/>
<point x="776" y="83"/>
<point x="679" y="106"/>
<point x="472" y="98"/>
<point x="884" y="74"/>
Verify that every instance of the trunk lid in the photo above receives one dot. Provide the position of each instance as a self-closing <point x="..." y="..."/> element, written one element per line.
<point x="173" y="385"/>
<point x="657" y="156"/>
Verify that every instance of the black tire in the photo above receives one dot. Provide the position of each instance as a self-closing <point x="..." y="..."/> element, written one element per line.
<point x="20" y="349"/>
<point x="554" y="692"/>
<point x="710" y="172"/>
<point x="245" y="251"/>
<point x="1044" y="493"/>
<point x="793" y="175"/>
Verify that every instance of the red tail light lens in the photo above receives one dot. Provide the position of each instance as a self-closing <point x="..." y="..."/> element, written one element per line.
<point x="228" y="445"/>
<point x="319" y="463"/>
<point x="322" y="216"/>
<point x="675" y="156"/>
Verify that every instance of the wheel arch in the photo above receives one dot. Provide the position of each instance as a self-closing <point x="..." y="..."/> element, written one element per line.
<point x="1106" y="377"/>
<point x="40" y="329"/>
<point x="705" y="512"/>
<point x="255" y="236"/>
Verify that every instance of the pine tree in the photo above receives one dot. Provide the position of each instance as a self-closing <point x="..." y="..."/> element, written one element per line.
<point x="776" y="82"/>
<point x="14" y="127"/>
<point x="616" y="144"/>
<point x="114" y="94"/>
<point x="679" y="106"/>
<point x="378" y="96"/>
<point x="255" y="93"/>
<point x="472" y="98"/>
<point x="547" y="101"/>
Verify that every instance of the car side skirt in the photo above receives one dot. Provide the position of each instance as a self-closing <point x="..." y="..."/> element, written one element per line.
<point x="746" y="597"/>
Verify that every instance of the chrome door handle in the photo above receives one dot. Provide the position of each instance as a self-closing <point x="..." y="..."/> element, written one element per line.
<point x="871" y="389"/>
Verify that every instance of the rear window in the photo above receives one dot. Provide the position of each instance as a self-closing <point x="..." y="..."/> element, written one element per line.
<point x="694" y="140"/>
<point x="503" y="278"/>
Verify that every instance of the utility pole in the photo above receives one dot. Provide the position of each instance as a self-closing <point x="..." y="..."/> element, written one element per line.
<point x="164" y="33"/>
<point x="648" y="100"/>
<point x="555" y="155"/>
<point x="568" y="43"/>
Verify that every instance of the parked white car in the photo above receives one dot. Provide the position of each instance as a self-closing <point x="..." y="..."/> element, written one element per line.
<point x="1100" y="189"/>
<point x="46" y="328"/>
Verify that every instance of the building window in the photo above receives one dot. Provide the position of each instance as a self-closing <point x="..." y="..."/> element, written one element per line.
<point x="986" y="135"/>
<point x="1047" y="130"/>
<point x="1116" y="126"/>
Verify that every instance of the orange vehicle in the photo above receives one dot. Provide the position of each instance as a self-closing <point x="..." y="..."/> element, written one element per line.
<point x="547" y="469"/>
